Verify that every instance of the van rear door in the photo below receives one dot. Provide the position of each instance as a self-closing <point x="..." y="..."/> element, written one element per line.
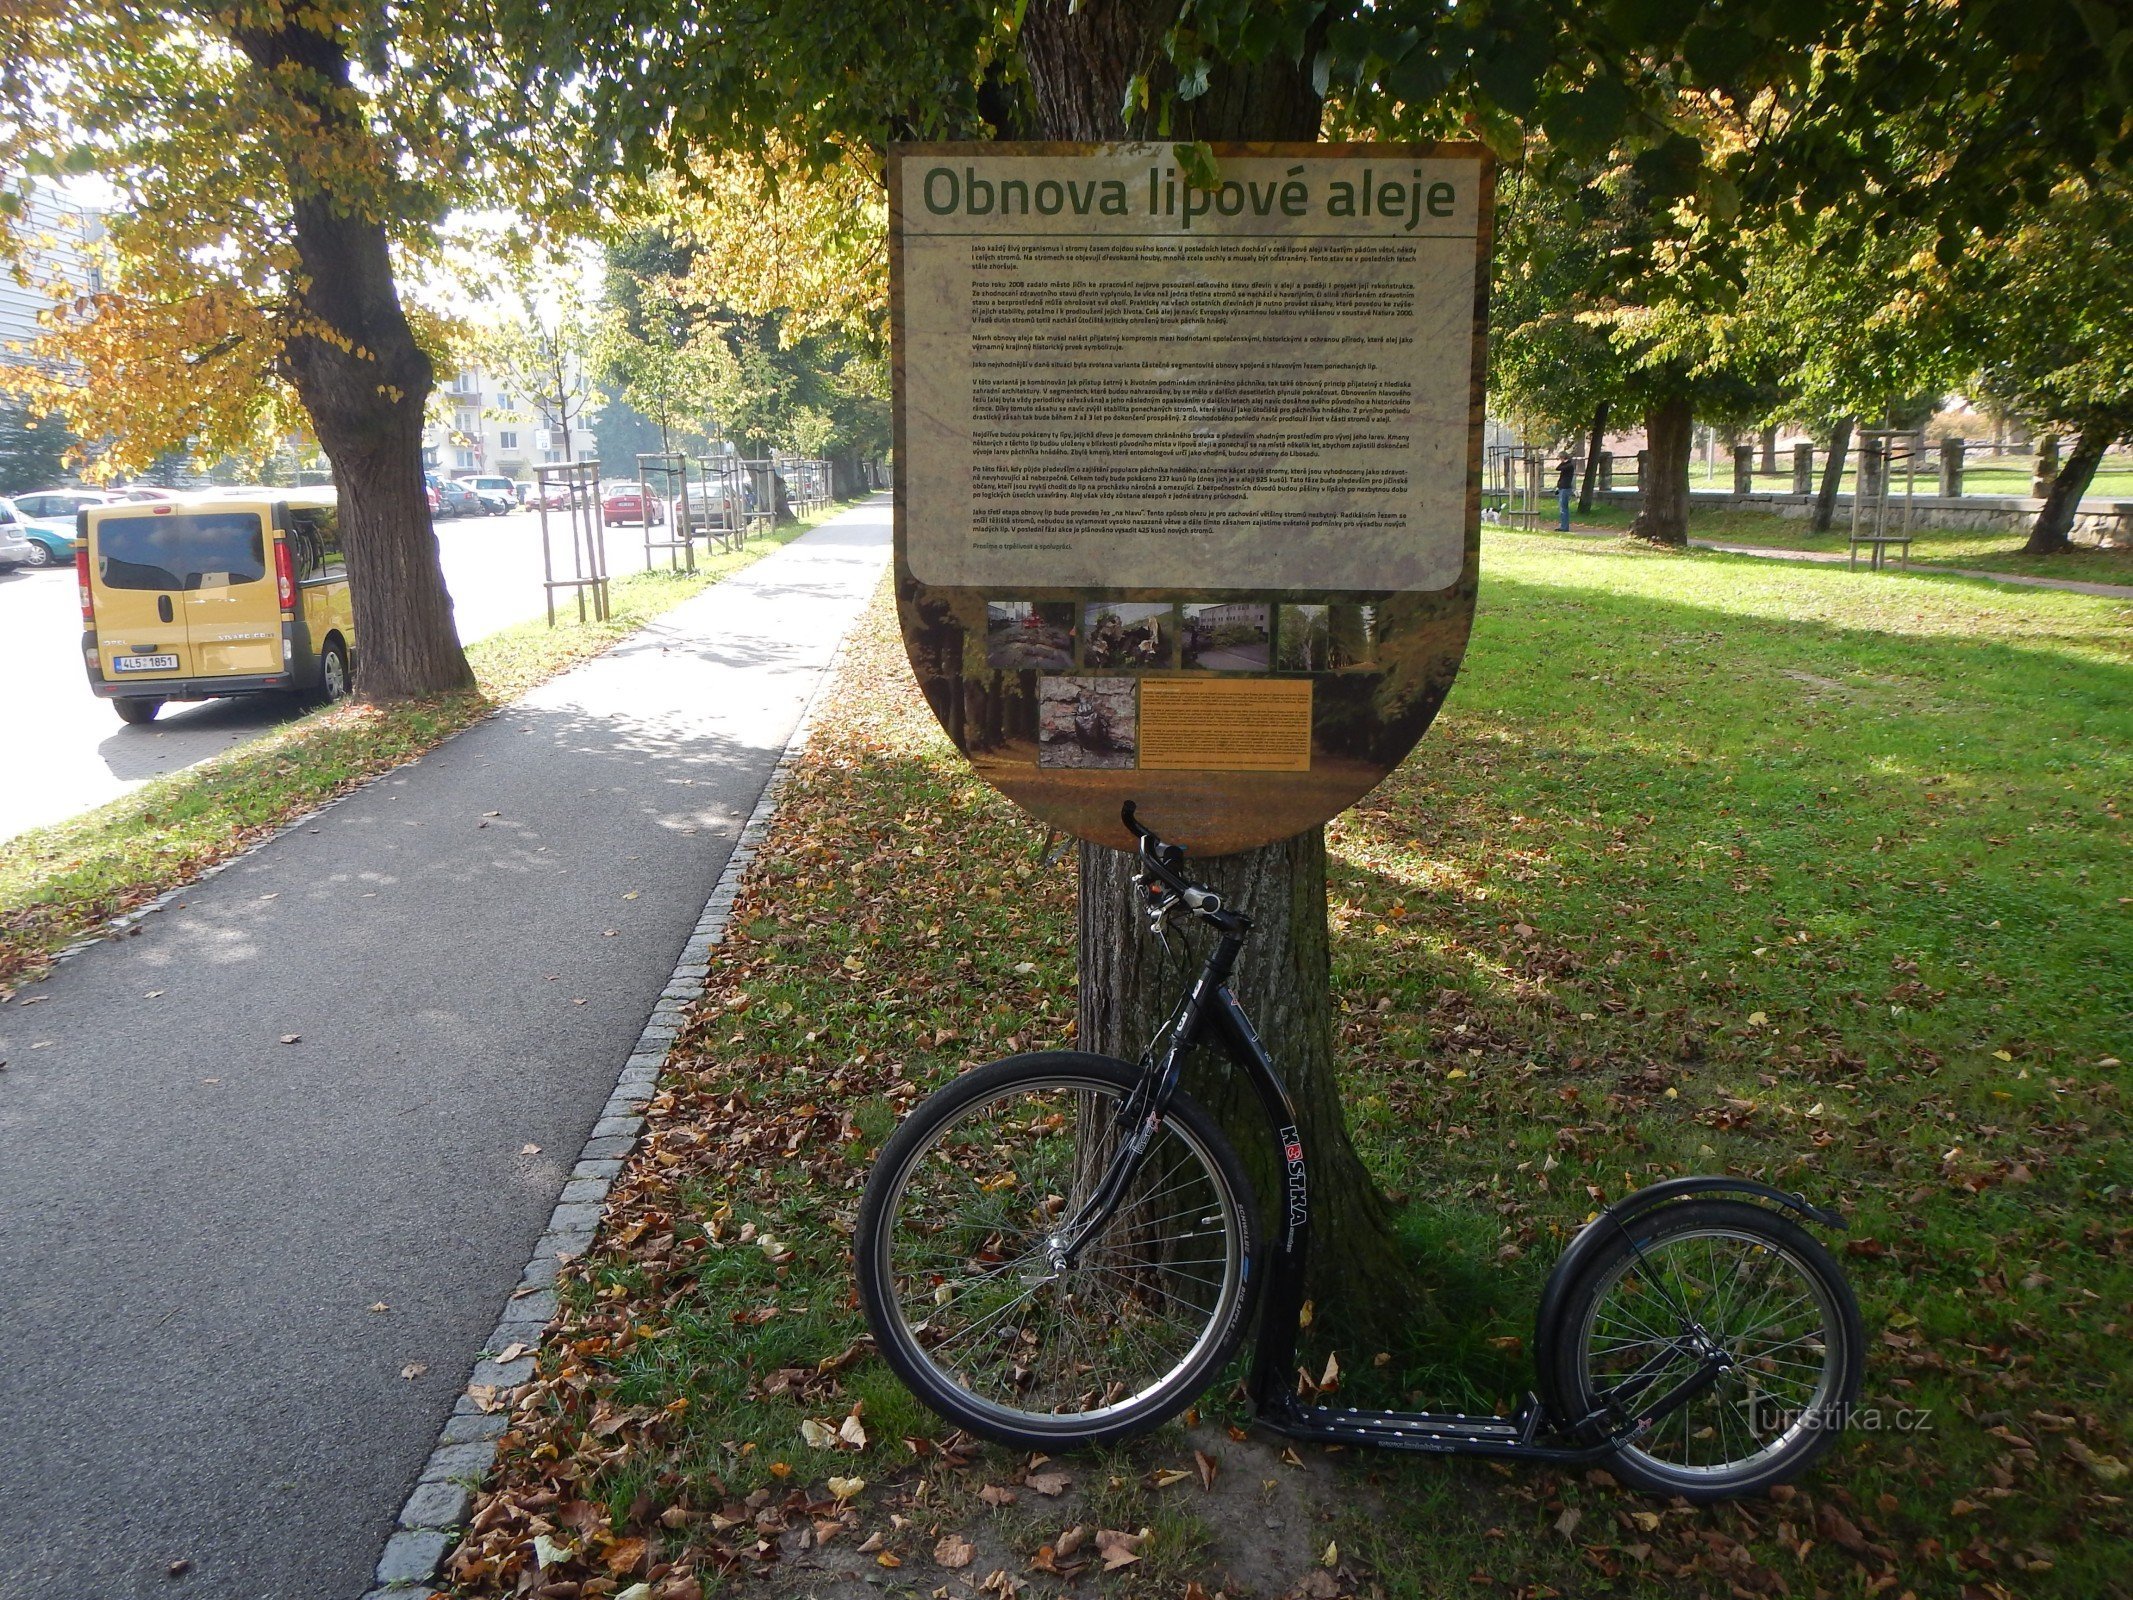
<point x="137" y="590"/>
<point x="182" y="594"/>
<point x="232" y="612"/>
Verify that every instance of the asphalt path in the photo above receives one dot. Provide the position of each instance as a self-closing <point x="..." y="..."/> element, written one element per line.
<point x="68" y="751"/>
<point x="198" y="1219"/>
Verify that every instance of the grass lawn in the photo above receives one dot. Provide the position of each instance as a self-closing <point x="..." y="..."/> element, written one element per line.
<point x="1982" y="475"/>
<point x="1970" y="548"/>
<point x="64" y="881"/>
<point x="1709" y="864"/>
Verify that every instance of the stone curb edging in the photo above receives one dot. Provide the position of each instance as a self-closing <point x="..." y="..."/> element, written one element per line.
<point x="435" y="1513"/>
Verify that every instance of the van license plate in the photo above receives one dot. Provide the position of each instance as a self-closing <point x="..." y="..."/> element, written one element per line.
<point x="144" y="663"/>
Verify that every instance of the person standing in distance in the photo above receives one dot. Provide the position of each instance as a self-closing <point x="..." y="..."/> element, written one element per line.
<point x="1565" y="479"/>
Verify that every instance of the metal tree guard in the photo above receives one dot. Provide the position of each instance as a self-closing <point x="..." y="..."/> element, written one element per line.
<point x="1880" y="449"/>
<point x="580" y="484"/>
<point x="1511" y="485"/>
<point x="671" y="469"/>
<point x="721" y="490"/>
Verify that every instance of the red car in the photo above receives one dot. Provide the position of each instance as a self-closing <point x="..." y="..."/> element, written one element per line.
<point x="627" y="502"/>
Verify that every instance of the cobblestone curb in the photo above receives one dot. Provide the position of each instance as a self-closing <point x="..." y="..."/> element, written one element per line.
<point x="435" y="1514"/>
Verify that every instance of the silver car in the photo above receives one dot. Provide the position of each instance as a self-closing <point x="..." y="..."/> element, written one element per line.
<point x="15" y="549"/>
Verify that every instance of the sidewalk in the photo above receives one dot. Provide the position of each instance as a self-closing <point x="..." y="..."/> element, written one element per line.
<point x="2109" y="591"/>
<point x="243" y="1280"/>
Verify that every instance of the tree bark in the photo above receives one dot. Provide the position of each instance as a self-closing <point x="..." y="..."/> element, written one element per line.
<point x="363" y="380"/>
<point x="1663" y="508"/>
<point x="1840" y="440"/>
<point x="1080" y="58"/>
<point x="2051" y="532"/>
<point x="1592" y="458"/>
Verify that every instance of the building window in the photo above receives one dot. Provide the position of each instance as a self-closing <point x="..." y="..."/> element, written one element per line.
<point x="507" y="439"/>
<point x="465" y="460"/>
<point x="466" y="422"/>
<point x="503" y="401"/>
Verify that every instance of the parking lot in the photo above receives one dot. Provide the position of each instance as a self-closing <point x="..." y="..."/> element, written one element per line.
<point x="68" y="751"/>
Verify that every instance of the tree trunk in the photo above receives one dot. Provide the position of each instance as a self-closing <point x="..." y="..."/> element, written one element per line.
<point x="364" y="383"/>
<point x="1080" y="57"/>
<point x="1592" y="458"/>
<point x="2049" y="534"/>
<point x="1663" y="508"/>
<point x="1840" y="440"/>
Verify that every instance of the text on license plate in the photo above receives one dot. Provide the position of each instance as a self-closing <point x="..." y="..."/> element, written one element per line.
<point x="144" y="663"/>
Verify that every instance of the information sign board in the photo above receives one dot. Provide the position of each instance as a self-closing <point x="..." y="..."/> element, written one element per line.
<point x="1187" y="477"/>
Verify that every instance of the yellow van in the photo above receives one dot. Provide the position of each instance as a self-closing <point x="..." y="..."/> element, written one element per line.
<point x="230" y="591"/>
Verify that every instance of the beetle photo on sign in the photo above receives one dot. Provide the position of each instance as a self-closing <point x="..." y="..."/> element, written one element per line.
<point x="1188" y="473"/>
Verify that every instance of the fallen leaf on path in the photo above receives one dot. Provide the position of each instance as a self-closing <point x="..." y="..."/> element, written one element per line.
<point x="529" y="1149"/>
<point x="292" y="1038"/>
<point x="994" y="1494"/>
<point x="846" y="1488"/>
<point x="955" y="1551"/>
<point x="1048" y="1483"/>
<point x="381" y="1306"/>
<point x="414" y="1369"/>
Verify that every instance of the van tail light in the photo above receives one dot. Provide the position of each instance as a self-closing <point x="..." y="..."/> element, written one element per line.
<point x="284" y="575"/>
<point x="81" y="579"/>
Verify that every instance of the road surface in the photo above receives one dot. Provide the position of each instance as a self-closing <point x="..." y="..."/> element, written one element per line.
<point x="243" y="1279"/>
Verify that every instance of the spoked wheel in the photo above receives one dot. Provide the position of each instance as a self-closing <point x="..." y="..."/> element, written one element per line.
<point x="1714" y="1276"/>
<point x="957" y="1253"/>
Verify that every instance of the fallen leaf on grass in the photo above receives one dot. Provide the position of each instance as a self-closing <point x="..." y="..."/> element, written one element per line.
<point x="1048" y="1483"/>
<point x="1164" y="1477"/>
<point x="1567" y="1523"/>
<point x="818" y="1435"/>
<point x="846" y="1488"/>
<point x="1332" y="1557"/>
<point x="955" y="1551"/>
<point x="625" y="1555"/>
<point x="1117" y="1548"/>
<point x="547" y="1552"/>
<point x="852" y="1433"/>
<point x="2104" y="1469"/>
<point x="994" y="1494"/>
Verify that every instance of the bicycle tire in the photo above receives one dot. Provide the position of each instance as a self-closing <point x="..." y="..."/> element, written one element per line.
<point x="1800" y="1358"/>
<point x="1011" y="1384"/>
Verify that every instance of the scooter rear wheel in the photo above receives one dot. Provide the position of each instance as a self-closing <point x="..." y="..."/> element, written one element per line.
<point x="1712" y="1275"/>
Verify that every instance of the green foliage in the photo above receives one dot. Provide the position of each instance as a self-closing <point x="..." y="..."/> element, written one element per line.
<point x="2052" y="309"/>
<point x="32" y="449"/>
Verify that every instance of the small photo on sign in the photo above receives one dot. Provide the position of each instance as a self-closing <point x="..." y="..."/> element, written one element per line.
<point x="1116" y="634"/>
<point x="1226" y="637"/>
<point x="1025" y="634"/>
<point x="1087" y="722"/>
<point x="1325" y="638"/>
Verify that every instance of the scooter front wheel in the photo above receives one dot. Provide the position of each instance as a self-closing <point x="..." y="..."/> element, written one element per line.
<point x="1702" y="1281"/>
<point x="977" y="1302"/>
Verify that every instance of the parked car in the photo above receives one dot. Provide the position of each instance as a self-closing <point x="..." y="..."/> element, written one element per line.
<point x="450" y="498"/>
<point x="630" y="502"/>
<point x="495" y="492"/>
<point x="142" y="492"/>
<point x="16" y="547"/>
<point x="235" y="592"/>
<point x="60" y="504"/>
<point x="51" y="542"/>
